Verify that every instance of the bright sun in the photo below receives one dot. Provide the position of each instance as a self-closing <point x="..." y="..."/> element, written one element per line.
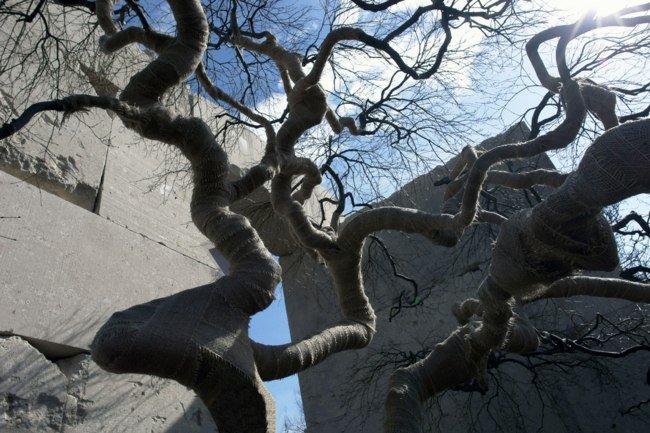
<point x="602" y="7"/>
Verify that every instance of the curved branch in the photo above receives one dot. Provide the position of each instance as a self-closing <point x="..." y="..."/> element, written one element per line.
<point x="343" y="261"/>
<point x="562" y="136"/>
<point x="584" y="25"/>
<point x="21" y="121"/>
<point x="80" y="3"/>
<point x="176" y="61"/>
<point x="594" y="286"/>
<point x="526" y="180"/>
<point x="632" y="216"/>
<point x="375" y="7"/>
<point x="434" y="227"/>
<point x="534" y="247"/>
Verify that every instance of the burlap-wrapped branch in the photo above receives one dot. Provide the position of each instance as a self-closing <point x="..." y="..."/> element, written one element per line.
<point x="198" y="337"/>
<point x="535" y="248"/>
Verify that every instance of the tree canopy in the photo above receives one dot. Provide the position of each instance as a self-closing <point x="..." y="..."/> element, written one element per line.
<point x="365" y="94"/>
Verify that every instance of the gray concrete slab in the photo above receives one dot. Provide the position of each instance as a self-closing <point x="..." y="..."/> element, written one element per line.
<point x="64" y="270"/>
<point x="137" y="194"/>
<point x="74" y="395"/>
<point x="67" y="157"/>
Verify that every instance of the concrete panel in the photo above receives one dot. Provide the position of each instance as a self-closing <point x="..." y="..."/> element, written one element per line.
<point x="137" y="195"/>
<point x="63" y="270"/>
<point x="66" y="159"/>
<point x="63" y="156"/>
<point x="75" y="396"/>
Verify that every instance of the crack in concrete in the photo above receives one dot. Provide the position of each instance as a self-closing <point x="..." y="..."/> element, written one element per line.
<point x="58" y="405"/>
<point x="100" y="188"/>
<point x="160" y="243"/>
<point x="52" y="350"/>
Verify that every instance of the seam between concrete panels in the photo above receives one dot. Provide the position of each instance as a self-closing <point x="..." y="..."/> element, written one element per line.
<point x="100" y="188"/>
<point x="160" y="243"/>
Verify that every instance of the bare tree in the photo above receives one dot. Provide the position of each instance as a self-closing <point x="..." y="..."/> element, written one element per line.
<point x="199" y="337"/>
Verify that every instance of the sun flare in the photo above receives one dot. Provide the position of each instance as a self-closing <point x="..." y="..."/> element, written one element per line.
<point x="602" y="7"/>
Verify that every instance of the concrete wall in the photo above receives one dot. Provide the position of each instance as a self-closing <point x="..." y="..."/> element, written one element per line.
<point x="347" y="392"/>
<point x="91" y="222"/>
<point x="73" y="395"/>
<point x="87" y="228"/>
<point x="94" y="219"/>
<point x="63" y="271"/>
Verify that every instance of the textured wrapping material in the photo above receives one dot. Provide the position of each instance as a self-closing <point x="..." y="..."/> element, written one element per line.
<point x="525" y="258"/>
<point x="198" y="337"/>
<point x="448" y="365"/>
<point x="535" y="248"/>
<point x="519" y="262"/>
<point x="207" y="349"/>
<point x="521" y="336"/>
<point x="616" y="165"/>
<point x="567" y="231"/>
<point x="600" y="101"/>
<point x="595" y="286"/>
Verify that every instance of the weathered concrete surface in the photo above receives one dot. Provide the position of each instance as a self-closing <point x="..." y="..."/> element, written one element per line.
<point x="29" y="387"/>
<point x="63" y="157"/>
<point x="135" y="195"/>
<point x="68" y="158"/>
<point x="347" y="392"/>
<point x="63" y="270"/>
<point x="92" y="160"/>
<point x="75" y="396"/>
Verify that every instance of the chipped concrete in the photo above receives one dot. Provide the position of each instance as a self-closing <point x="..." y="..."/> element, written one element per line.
<point x="62" y="156"/>
<point x="56" y="173"/>
<point x="75" y="396"/>
<point x="32" y="390"/>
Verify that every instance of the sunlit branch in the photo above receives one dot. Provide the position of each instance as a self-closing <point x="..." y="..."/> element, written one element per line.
<point x="586" y="24"/>
<point x="595" y="286"/>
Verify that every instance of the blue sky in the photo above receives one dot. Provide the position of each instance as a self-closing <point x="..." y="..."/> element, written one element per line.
<point x="272" y="327"/>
